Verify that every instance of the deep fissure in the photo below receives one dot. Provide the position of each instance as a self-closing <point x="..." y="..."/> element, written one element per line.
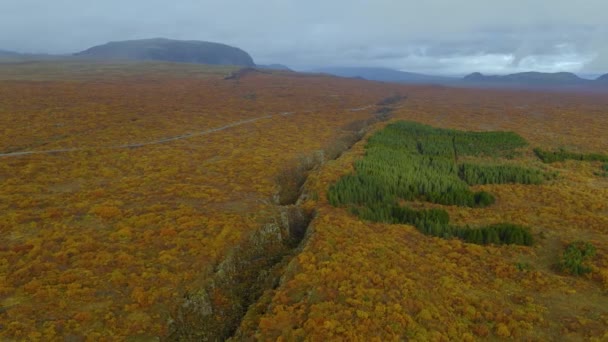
<point x="215" y="311"/>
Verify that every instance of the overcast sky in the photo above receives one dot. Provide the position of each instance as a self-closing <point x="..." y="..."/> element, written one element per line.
<point x="431" y="36"/>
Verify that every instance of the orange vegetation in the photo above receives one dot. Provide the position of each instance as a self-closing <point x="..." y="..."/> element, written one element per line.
<point x="101" y="242"/>
<point x="357" y="280"/>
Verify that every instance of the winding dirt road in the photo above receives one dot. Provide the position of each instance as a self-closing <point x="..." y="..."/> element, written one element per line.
<point x="160" y="141"/>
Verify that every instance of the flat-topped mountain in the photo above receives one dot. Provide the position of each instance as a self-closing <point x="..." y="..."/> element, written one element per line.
<point x="161" y="49"/>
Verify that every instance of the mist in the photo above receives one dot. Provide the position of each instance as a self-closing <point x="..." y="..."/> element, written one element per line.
<point x="437" y="36"/>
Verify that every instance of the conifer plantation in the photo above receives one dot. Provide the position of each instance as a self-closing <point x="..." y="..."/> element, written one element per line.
<point x="414" y="162"/>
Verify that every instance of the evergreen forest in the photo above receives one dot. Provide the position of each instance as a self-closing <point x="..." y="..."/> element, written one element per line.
<point x="409" y="161"/>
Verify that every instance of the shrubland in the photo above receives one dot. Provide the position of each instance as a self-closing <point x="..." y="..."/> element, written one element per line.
<point x="107" y="242"/>
<point x="104" y="241"/>
<point x="386" y="280"/>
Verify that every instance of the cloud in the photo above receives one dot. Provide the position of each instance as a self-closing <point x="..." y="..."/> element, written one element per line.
<point x="598" y="64"/>
<point x="413" y="35"/>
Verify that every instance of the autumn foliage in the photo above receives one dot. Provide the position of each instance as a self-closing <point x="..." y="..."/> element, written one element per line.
<point x="387" y="282"/>
<point x="102" y="241"/>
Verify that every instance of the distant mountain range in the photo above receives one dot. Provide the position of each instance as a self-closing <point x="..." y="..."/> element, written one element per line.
<point x="4" y="53"/>
<point x="162" y="49"/>
<point x="531" y="79"/>
<point x="386" y="75"/>
<point x="273" y="67"/>
<point x="12" y="55"/>
<point x="602" y="79"/>
<point x="519" y="80"/>
<point x="192" y="51"/>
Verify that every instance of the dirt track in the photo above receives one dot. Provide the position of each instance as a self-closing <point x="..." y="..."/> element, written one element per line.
<point x="159" y="141"/>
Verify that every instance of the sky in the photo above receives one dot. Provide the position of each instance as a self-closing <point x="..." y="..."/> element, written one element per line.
<point x="449" y="37"/>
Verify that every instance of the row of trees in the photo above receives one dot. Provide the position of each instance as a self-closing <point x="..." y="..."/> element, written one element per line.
<point x="495" y="144"/>
<point x="411" y="161"/>
<point x="563" y="155"/>
<point x="475" y="174"/>
<point x="432" y="141"/>
<point x="435" y="222"/>
<point x="383" y="177"/>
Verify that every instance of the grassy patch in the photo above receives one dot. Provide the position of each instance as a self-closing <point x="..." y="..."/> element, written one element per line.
<point x="604" y="170"/>
<point x="575" y="258"/>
